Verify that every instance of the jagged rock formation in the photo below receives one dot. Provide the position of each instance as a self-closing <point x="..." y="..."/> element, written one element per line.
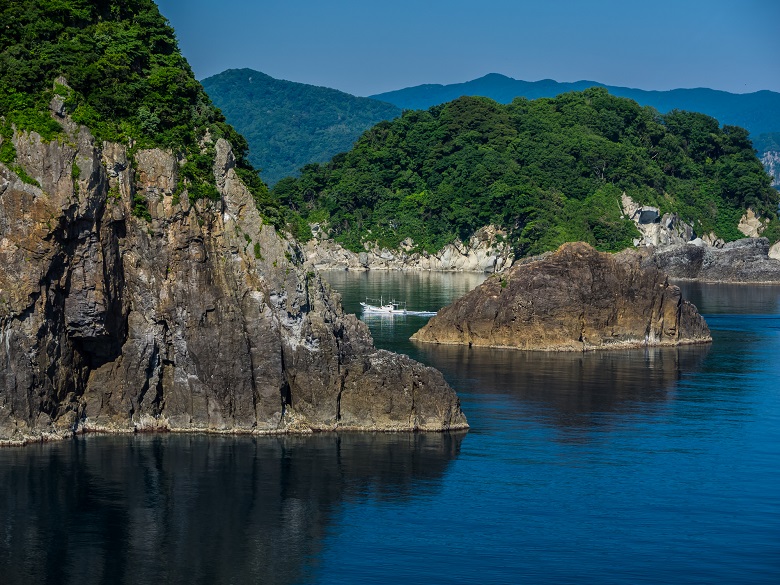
<point x="749" y="260"/>
<point x="751" y="225"/>
<point x="574" y="299"/>
<point x="655" y="229"/>
<point x="771" y="161"/>
<point x="198" y="318"/>
<point x="486" y="251"/>
<point x="708" y="258"/>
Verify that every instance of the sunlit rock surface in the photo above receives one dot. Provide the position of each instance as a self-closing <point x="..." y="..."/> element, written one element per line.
<point x="574" y="299"/>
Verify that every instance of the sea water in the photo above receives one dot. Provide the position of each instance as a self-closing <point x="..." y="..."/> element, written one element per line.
<point x="641" y="466"/>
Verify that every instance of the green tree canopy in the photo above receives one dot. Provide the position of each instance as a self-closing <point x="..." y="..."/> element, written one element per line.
<point x="127" y="80"/>
<point x="548" y="171"/>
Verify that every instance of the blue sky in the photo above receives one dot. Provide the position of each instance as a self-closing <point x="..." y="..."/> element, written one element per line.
<point x="366" y="47"/>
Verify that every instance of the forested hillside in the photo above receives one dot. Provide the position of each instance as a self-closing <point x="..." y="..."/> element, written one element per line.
<point x="124" y="78"/>
<point x="289" y="125"/>
<point x="547" y="170"/>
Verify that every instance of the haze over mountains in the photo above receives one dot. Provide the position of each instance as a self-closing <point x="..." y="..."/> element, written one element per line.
<point x="289" y="124"/>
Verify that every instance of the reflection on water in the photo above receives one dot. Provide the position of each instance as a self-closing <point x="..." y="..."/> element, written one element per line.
<point x="565" y="389"/>
<point x="569" y="384"/>
<point x="732" y="298"/>
<point x="196" y="509"/>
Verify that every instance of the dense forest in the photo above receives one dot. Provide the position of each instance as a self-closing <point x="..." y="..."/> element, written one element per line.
<point x="288" y="124"/>
<point x="549" y="170"/>
<point x="125" y="79"/>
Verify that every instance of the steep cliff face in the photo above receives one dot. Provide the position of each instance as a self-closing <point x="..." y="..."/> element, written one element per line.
<point x="574" y="299"/>
<point x="194" y="317"/>
<point x="771" y="161"/>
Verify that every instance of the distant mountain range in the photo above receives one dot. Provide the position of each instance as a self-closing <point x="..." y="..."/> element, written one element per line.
<point x="289" y="125"/>
<point x="758" y="112"/>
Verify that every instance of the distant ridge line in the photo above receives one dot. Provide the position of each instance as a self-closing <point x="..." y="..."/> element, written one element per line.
<point x="758" y="112"/>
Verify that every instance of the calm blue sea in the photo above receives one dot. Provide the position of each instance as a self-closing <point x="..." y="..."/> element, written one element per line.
<point x="659" y="466"/>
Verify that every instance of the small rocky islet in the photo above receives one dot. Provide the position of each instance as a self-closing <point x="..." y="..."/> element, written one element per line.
<point x="573" y="299"/>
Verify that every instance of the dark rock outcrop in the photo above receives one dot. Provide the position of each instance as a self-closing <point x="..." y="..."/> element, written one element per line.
<point x="746" y="260"/>
<point x="200" y="318"/>
<point x="571" y="300"/>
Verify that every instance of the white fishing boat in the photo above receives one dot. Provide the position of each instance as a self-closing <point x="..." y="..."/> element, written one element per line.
<point x="382" y="307"/>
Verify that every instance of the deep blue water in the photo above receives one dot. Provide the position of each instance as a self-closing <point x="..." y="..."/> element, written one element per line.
<point x="658" y="466"/>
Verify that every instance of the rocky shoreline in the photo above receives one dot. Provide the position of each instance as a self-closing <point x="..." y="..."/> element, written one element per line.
<point x="746" y="261"/>
<point x="666" y="237"/>
<point x="486" y="252"/>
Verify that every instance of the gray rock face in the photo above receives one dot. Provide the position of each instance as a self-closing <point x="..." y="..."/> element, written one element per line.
<point x="201" y="319"/>
<point x="771" y="161"/>
<point x="746" y="260"/>
<point x="655" y="230"/>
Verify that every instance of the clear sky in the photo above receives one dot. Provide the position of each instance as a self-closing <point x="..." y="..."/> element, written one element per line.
<point x="366" y="47"/>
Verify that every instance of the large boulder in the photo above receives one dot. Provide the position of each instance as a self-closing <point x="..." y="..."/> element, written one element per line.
<point x="746" y="260"/>
<point x="180" y="316"/>
<point x="574" y="299"/>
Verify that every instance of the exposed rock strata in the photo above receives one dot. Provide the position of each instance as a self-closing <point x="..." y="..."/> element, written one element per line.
<point x="201" y="319"/>
<point x="486" y="251"/>
<point x="748" y="260"/>
<point x="574" y="299"/>
<point x="751" y="225"/>
<point x="655" y="229"/>
<point x="771" y="161"/>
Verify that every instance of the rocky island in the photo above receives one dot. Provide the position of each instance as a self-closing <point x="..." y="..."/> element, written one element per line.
<point x="574" y="299"/>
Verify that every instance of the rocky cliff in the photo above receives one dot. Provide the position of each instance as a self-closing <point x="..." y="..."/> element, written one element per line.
<point x="749" y="260"/>
<point x="486" y="251"/>
<point x="180" y="316"/>
<point x="573" y="299"/>
<point x="771" y="161"/>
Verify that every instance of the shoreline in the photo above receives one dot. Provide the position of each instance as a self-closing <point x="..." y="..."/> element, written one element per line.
<point x="311" y="430"/>
<point x="571" y="349"/>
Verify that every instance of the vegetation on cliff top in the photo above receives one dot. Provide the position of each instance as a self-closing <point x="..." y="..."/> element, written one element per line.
<point x="549" y="171"/>
<point x="289" y="125"/>
<point x="127" y="81"/>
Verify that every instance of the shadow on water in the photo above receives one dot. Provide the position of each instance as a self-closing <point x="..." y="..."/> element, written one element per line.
<point x="197" y="509"/>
